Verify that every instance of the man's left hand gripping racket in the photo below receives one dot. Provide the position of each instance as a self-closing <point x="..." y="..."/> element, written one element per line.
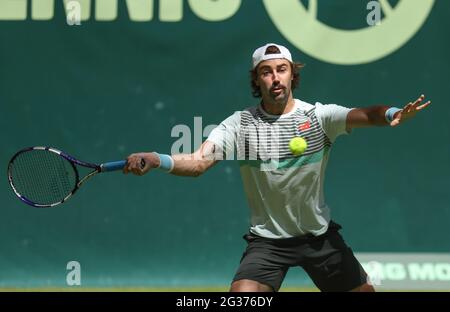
<point x="46" y="177"/>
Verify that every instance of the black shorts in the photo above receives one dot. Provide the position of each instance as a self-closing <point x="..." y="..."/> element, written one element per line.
<point x="329" y="262"/>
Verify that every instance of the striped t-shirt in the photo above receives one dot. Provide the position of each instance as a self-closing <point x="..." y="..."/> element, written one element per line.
<point x="284" y="191"/>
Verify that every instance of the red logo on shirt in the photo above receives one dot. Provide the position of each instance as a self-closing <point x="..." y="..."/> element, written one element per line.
<point x="304" y="126"/>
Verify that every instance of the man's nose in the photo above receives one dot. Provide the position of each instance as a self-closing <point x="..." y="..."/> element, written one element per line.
<point x="275" y="78"/>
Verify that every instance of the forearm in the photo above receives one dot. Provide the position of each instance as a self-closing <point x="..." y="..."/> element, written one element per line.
<point x="372" y="116"/>
<point x="186" y="165"/>
<point x="376" y="115"/>
<point x="193" y="165"/>
<point x="189" y="165"/>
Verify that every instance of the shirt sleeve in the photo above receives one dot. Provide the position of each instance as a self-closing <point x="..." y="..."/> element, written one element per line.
<point x="332" y="119"/>
<point x="224" y="136"/>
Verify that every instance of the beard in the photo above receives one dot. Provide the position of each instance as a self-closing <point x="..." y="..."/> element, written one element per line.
<point x="279" y="94"/>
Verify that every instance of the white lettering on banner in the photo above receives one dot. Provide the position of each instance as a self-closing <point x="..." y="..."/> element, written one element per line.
<point x="214" y="10"/>
<point x="421" y="271"/>
<point x="393" y="271"/>
<point x="429" y="271"/>
<point x="292" y="18"/>
<point x="11" y="10"/>
<point x="348" y="47"/>
<point x="138" y="10"/>
<point x="42" y="10"/>
<point x="105" y="10"/>
<point x="443" y="271"/>
<point x="407" y="271"/>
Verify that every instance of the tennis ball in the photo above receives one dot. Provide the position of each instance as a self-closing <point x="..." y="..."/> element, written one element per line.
<point x="298" y="145"/>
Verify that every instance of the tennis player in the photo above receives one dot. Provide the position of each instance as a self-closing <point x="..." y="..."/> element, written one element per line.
<point x="290" y="220"/>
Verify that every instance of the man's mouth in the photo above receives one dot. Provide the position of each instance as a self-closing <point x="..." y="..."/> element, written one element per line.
<point x="277" y="89"/>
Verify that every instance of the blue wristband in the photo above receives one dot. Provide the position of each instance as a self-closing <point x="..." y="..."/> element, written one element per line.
<point x="390" y="114"/>
<point x="165" y="162"/>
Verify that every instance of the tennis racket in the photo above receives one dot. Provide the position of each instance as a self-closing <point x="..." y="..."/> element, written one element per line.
<point x="45" y="177"/>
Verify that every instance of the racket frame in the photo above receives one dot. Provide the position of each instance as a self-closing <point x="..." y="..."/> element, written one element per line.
<point x="73" y="161"/>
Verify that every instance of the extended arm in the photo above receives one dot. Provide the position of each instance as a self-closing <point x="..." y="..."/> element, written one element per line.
<point x="376" y="115"/>
<point x="197" y="163"/>
<point x="192" y="165"/>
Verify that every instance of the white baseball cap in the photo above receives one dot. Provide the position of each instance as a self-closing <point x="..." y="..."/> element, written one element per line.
<point x="261" y="54"/>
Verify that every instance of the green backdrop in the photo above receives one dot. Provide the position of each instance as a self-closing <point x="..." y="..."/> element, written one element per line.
<point x="104" y="89"/>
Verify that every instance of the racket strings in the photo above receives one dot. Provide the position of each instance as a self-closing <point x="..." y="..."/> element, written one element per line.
<point x="43" y="177"/>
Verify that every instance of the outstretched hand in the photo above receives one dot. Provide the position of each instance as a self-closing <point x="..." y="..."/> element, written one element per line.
<point x="409" y="111"/>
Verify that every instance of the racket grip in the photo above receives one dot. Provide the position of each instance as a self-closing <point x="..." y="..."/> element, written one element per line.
<point x="113" y="165"/>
